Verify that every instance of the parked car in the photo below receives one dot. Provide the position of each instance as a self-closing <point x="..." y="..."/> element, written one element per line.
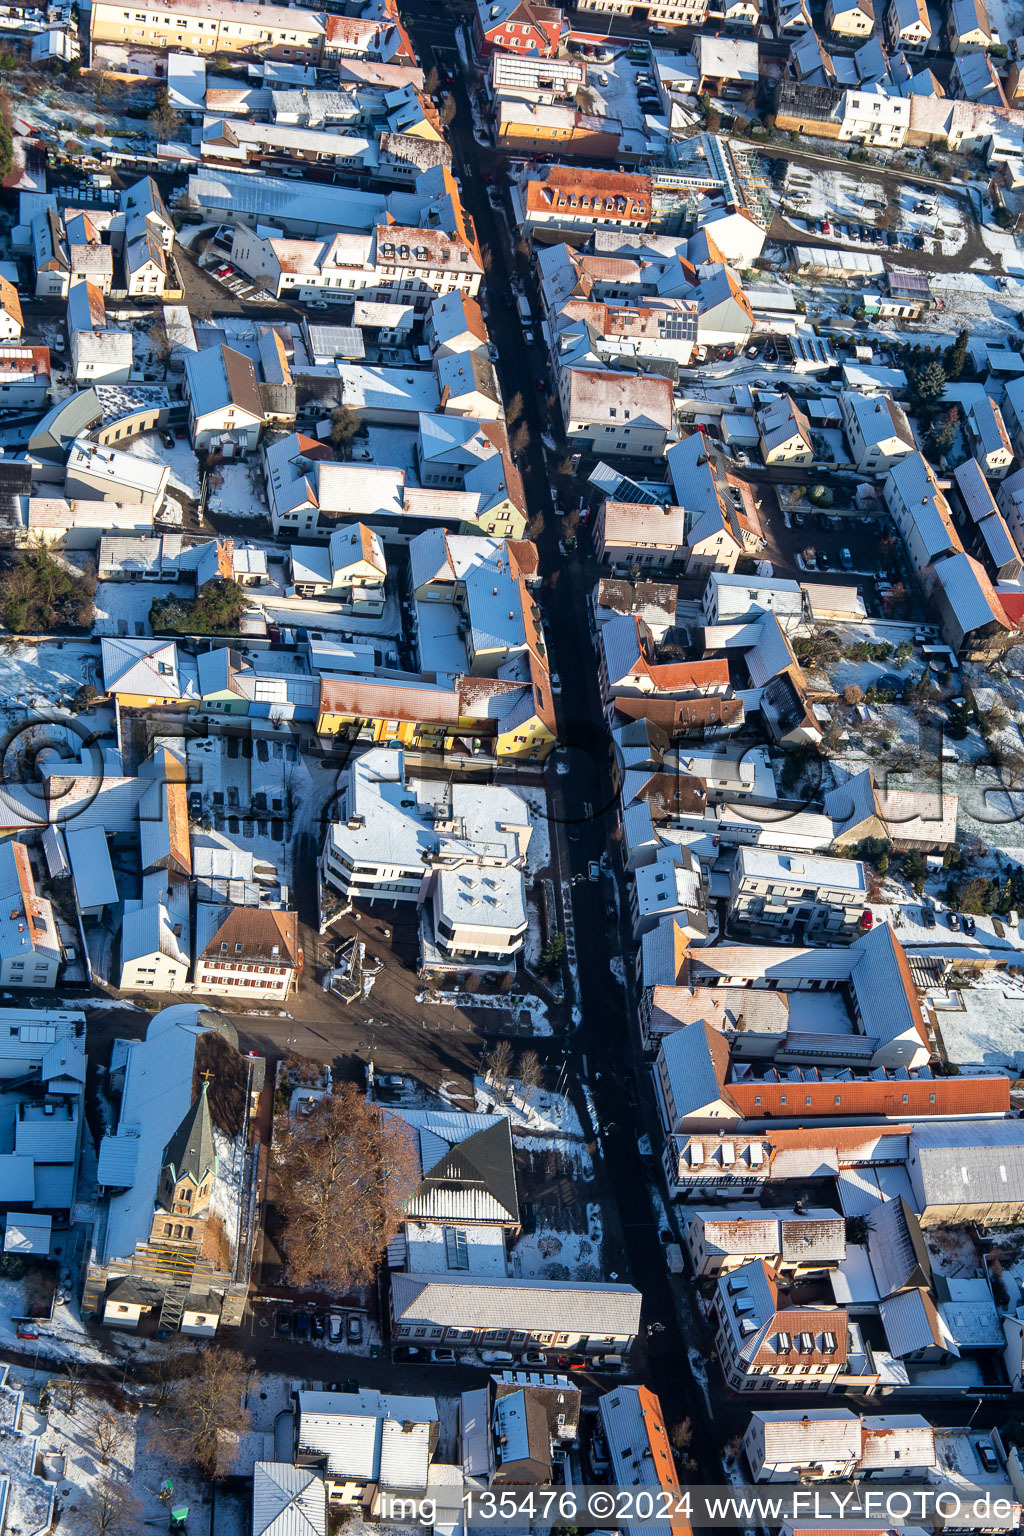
<point x="319" y="1325"/>
<point x="867" y="919"/>
<point x="284" y="1322"/>
<point x="497" y="1357"/>
<point x="302" y="1324"/>
<point x="986" y="1455"/>
<point x="970" y="927"/>
<point x="593" y="870"/>
<point x="406" y="1352"/>
<point x="195" y="804"/>
<point x="534" y="1357"/>
<point x="927" y="917"/>
<point x="609" y="1365"/>
<point x="167" y="438"/>
<point x="442" y="1357"/>
<point x="336" y="1327"/>
<point x="657" y="31"/>
<point x="846" y="559"/>
<point x="354" y="1328"/>
<point x="953" y="919"/>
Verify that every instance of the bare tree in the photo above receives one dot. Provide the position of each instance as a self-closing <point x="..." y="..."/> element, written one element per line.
<point x="853" y="693"/>
<point x="520" y="439"/>
<point x="165" y="1373"/>
<point x="498" y="1064"/>
<point x="108" y="1437"/>
<point x="529" y="1071"/>
<point x="208" y="1399"/>
<point x="448" y="110"/>
<point x="346" y="1172"/>
<point x="113" y="1510"/>
<point x="161" y="344"/>
<point x="72" y="1386"/>
<point x="514" y="409"/>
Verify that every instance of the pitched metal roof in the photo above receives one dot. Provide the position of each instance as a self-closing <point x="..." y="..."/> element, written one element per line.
<point x="968" y="1162"/>
<point x="526" y="1306"/>
<point x="912" y="1323"/>
<point x="288" y="1501"/>
<point x="467" y="1165"/>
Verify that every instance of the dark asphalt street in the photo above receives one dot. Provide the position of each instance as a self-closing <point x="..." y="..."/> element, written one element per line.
<point x="605" y="1048"/>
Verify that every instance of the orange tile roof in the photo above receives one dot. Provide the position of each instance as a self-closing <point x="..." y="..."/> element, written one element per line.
<point x="258" y="930"/>
<point x="691" y="674"/>
<point x="894" y="1097"/>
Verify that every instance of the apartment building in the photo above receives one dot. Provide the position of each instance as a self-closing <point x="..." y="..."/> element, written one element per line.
<point x="989" y="438"/>
<point x="616" y="413"/>
<point x="517" y="27"/>
<point x="774" y="893"/>
<point x="413" y="264"/>
<point x="470" y="1312"/>
<point x="533" y="78"/>
<point x="794" y="1243"/>
<point x="765" y="1345"/>
<point x="212" y="27"/>
<point x="877" y="431"/>
<point x="907" y="26"/>
<point x="553" y="201"/>
<point x="459" y="856"/>
<point x="246" y="952"/>
<point x="869" y="117"/>
<point x="30" y="951"/>
<point x="673" y="13"/>
<point x="920" y="511"/>
<point x="653" y="537"/>
<point x="24" y="377"/>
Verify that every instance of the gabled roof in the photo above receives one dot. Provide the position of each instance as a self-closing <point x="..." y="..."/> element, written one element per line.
<point x="221" y="377"/>
<point x="808" y="1435"/>
<point x="912" y="1322"/>
<point x="243" y="934"/>
<point x="10" y="302"/>
<point x="896" y="1248"/>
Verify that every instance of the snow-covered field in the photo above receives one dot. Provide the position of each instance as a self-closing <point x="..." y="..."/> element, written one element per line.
<point x="129" y="602"/>
<point x="32" y="674"/>
<point x="240" y="492"/>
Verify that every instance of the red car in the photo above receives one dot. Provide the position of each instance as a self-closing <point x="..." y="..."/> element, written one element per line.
<point x="26" y="1331"/>
<point x="867" y="919"/>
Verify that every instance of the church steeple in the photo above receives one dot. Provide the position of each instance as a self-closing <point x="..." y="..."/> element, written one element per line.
<point x="190" y="1161"/>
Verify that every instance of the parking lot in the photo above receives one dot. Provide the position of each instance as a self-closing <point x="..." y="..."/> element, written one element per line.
<point x="871" y="559"/>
